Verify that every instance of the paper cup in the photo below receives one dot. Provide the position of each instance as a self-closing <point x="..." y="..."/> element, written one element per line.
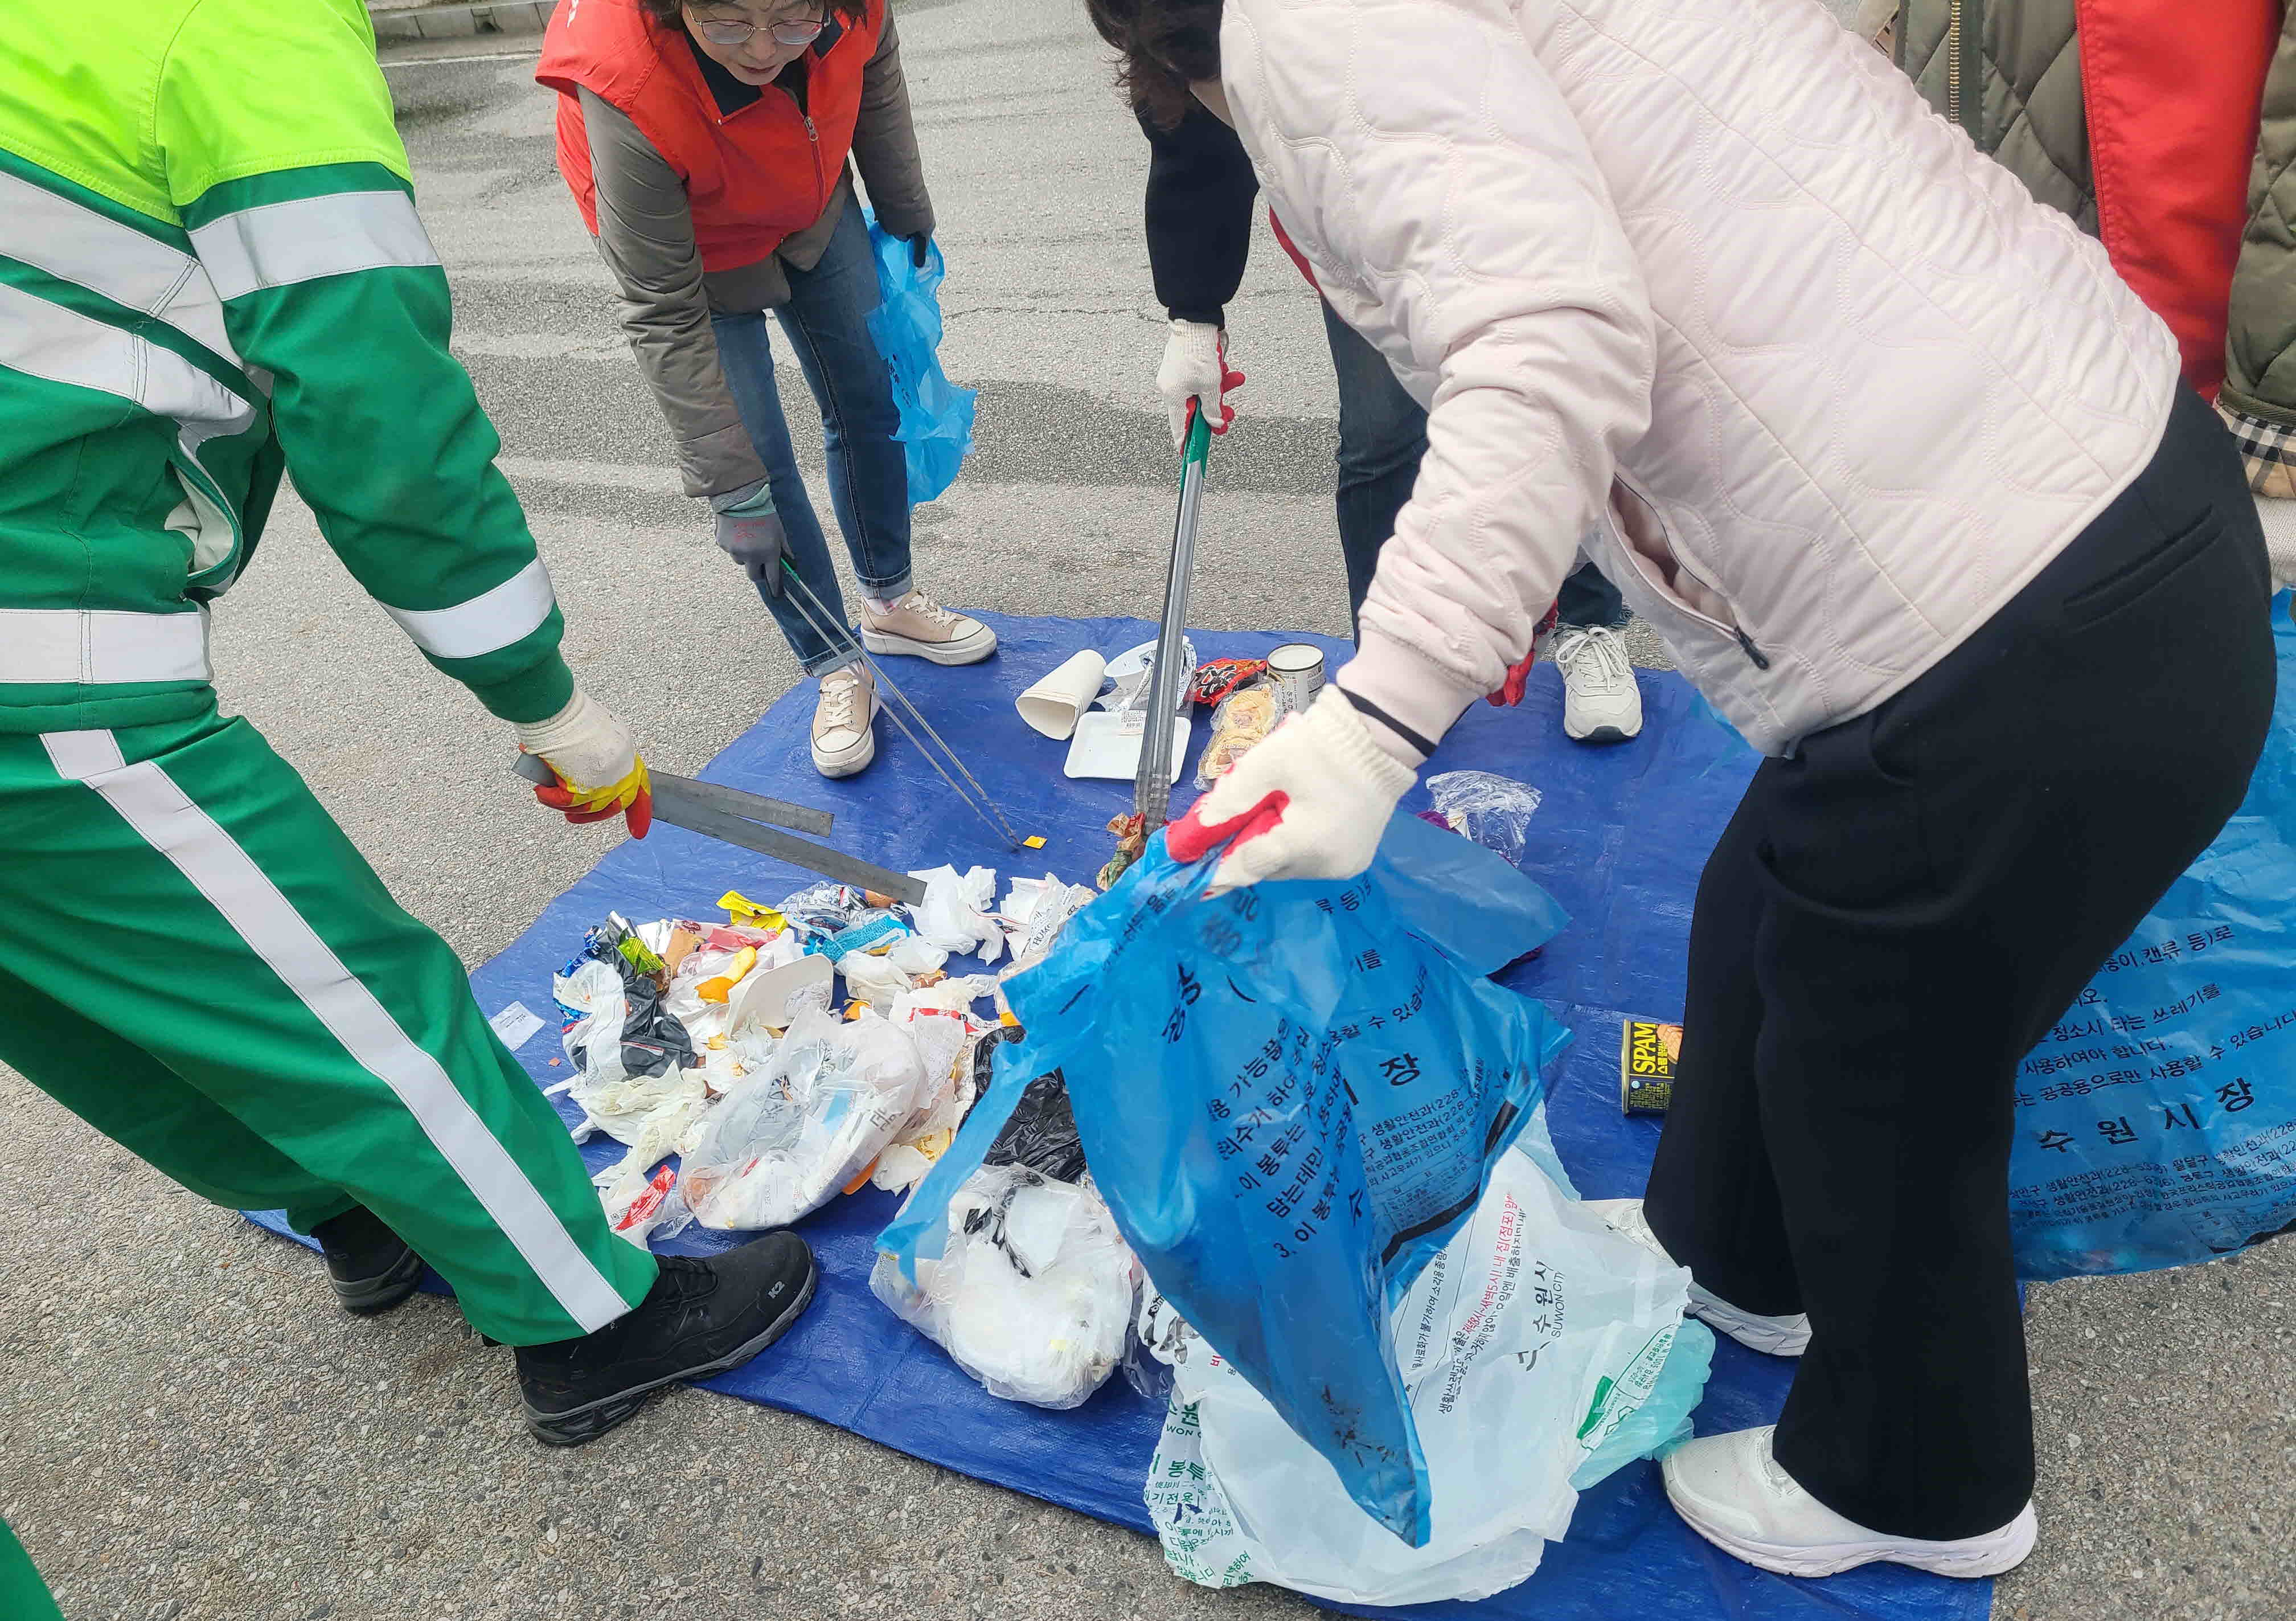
<point x="1296" y="668"/>
<point x="1053" y="704"/>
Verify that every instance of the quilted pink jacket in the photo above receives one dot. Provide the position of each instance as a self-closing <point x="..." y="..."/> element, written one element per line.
<point x="1704" y="286"/>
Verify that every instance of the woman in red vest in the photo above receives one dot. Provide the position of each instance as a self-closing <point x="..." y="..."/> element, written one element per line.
<point x="707" y="147"/>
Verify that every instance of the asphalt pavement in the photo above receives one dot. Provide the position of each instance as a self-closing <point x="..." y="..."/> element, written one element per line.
<point x="189" y="1428"/>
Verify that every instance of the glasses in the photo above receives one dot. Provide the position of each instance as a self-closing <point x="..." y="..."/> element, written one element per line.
<point x="788" y="31"/>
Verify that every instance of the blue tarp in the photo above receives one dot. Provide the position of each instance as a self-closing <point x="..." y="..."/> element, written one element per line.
<point x="1619" y="840"/>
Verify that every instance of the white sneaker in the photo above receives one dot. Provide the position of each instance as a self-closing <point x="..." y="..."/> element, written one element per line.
<point x="918" y="627"/>
<point x="1772" y="1336"/>
<point x="843" y="740"/>
<point x="1601" y="702"/>
<point x="1732" y="1492"/>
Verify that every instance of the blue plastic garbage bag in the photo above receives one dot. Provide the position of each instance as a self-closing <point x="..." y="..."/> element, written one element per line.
<point x="936" y="415"/>
<point x="2156" y="1123"/>
<point x="1291" y="1096"/>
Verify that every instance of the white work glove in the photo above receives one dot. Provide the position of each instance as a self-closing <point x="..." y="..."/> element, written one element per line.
<point x="1195" y="367"/>
<point x="1309" y="802"/>
<point x="596" y="759"/>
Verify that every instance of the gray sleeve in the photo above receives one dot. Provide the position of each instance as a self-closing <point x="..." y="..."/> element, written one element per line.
<point x="646" y="231"/>
<point x="885" y="143"/>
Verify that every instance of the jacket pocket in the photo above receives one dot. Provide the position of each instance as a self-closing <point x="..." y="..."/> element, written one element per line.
<point x="2137" y="577"/>
<point x="1642" y="536"/>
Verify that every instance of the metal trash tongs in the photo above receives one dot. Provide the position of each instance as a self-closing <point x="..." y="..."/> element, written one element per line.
<point x="835" y="633"/>
<point x="734" y="817"/>
<point x="1152" y="788"/>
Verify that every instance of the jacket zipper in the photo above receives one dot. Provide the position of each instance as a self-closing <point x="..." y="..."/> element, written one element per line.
<point x="1641" y="566"/>
<point x="1953" y="63"/>
<point x="1964" y="42"/>
<point x="820" y="187"/>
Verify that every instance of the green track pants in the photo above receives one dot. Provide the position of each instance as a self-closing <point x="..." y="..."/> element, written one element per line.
<point x="195" y="961"/>
<point x="23" y="1596"/>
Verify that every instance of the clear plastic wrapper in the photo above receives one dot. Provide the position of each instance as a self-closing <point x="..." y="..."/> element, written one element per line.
<point x="1242" y="720"/>
<point x="823" y="909"/>
<point x="1494" y="812"/>
<point x="809" y="1124"/>
<point x="641" y="1207"/>
<point x="1033" y="1292"/>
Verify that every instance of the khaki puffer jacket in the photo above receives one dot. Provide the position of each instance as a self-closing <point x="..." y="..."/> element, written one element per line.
<point x="2009" y="72"/>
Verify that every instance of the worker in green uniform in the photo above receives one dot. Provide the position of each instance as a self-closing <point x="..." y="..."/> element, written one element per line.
<point x="212" y="271"/>
<point x="23" y="1596"/>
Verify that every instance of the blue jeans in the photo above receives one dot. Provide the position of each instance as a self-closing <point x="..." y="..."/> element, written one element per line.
<point x="1382" y="435"/>
<point x="826" y="322"/>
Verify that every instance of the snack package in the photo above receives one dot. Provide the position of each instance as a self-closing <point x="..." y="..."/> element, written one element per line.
<point x="1245" y="718"/>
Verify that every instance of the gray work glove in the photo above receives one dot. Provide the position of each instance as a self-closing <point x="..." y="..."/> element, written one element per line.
<point x="750" y="532"/>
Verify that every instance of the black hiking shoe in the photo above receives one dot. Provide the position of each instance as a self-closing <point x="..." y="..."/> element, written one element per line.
<point x="371" y="1266"/>
<point x="701" y="1317"/>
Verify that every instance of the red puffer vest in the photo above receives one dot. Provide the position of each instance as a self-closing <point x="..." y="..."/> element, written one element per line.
<point x="2171" y="92"/>
<point x="753" y="177"/>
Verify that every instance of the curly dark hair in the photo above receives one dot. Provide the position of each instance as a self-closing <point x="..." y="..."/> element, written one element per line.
<point x="1161" y="47"/>
<point x="672" y="13"/>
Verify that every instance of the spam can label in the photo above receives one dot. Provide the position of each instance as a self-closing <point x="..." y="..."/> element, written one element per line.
<point x="1648" y="1051"/>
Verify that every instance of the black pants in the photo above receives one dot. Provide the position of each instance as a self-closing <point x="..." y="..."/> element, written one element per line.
<point x="1893" y="918"/>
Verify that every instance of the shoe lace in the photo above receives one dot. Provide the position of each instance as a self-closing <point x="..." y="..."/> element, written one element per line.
<point x="837" y="695"/>
<point x="919" y="602"/>
<point x="1603" y="648"/>
<point x="1785" y="1484"/>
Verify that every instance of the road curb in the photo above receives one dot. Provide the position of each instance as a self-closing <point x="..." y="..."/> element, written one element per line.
<point x="470" y="21"/>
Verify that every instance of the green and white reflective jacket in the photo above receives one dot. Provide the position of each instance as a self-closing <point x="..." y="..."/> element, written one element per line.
<point x="212" y="271"/>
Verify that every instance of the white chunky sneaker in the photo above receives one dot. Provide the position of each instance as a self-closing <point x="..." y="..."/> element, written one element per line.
<point x="919" y="627"/>
<point x="1732" y="1492"/>
<point x="1601" y="702"/>
<point x="1772" y="1336"/>
<point x="842" y="739"/>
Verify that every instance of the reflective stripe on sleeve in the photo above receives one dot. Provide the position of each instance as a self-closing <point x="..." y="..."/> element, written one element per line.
<point x="277" y="244"/>
<point x="69" y="646"/>
<point x="46" y="339"/>
<point x="487" y="622"/>
<point x="68" y="239"/>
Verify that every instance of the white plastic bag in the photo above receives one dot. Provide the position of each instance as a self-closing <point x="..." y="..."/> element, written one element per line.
<point x="938" y="1018"/>
<point x="595" y="991"/>
<point x="796" y="1133"/>
<point x="1035" y="910"/>
<point x="873" y="979"/>
<point x="1533" y="1349"/>
<point x="1033" y="1295"/>
<point x="956" y="914"/>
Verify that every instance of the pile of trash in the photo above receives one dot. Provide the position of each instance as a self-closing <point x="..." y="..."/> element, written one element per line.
<point x="1392" y="1345"/>
<point x="793" y="1052"/>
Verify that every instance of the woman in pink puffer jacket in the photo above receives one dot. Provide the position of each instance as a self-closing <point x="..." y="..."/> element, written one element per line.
<point x="1905" y="477"/>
